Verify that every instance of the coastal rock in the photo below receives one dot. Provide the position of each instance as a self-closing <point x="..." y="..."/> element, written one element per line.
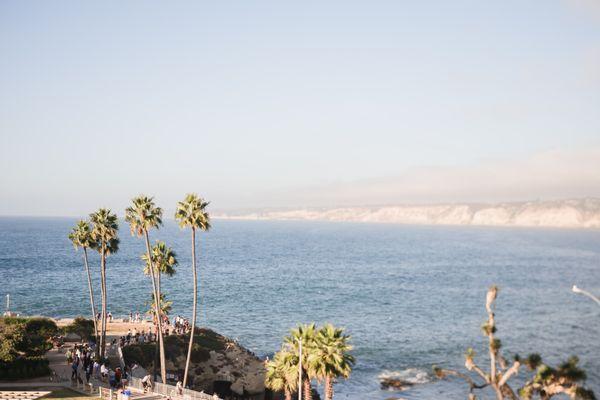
<point x="217" y="362"/>
<point x="394" y="384"/>
<point x="403" y="379"/>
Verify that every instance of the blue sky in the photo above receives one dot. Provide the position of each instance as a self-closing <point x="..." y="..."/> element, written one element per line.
<point x="260" y="103"/>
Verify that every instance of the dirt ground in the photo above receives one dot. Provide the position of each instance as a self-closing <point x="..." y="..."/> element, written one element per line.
<point x="117" y="328"/>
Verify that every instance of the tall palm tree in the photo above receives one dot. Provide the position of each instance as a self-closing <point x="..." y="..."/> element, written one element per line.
<point x="330" y="358"/>
<point x="105" y="235"/>
<point x="307" y="334"/>
<point x="81" y="236"/>
<point x="191" y="212"/>
<point x="282" y="373"/>
<point x="142" y="216"/>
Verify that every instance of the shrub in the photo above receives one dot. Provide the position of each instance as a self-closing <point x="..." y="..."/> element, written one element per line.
<point x="173" y="347"/>
<point x="209" y="339"/>
<point x="142" y="354"/>
<point x="82" y="327"/>
<point x="199" y="354"/>
<point x="25" y="336"/>
<point x="24" y="368"/>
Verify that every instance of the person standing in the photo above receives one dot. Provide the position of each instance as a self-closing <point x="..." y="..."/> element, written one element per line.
<point x="96" y="369"/>
<point x="88" y="371"/>
<point x="74" y="367"/>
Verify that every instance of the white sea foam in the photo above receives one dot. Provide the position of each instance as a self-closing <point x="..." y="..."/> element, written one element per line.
<point x="415" y="376"/>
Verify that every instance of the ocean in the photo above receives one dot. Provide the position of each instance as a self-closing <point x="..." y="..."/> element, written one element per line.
<point x="410" y="296"/>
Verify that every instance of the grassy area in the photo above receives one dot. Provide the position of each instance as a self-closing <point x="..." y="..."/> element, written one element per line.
<point x="66" y="394"/>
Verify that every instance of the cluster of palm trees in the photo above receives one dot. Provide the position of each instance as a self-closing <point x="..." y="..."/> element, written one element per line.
<point x="315" y="354"/>
<point x="100" y="233"/>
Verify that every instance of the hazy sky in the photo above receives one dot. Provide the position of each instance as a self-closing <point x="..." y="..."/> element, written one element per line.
<point x="257" y="103"/>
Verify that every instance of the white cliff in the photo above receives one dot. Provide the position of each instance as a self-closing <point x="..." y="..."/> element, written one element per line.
<point x="579" y="213"/>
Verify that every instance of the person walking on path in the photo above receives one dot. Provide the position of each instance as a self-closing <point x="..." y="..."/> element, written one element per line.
<point x="74" y="367"/>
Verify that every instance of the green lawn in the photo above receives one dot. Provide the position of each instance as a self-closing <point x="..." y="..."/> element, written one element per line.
<point x="66" y="394"/>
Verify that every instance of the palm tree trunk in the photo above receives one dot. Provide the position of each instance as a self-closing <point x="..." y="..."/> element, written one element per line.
<point x="307" y="389"/>
<point x="103" y="289"/>
<point x="288" y="395"/>
<point x="163" y="369"/>
<point x="328" y="388"/>
<point x="89" y="278"/>
<point x="158" y="288"/>
<point x="195" y="277"/>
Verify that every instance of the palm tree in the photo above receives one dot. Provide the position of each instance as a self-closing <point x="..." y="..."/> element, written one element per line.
<point x="105" y="235"/>
<point x="142" y="216"/>
<point x="165" y="305"/>
<point x="191" y="212"/>
<point x="307" y="334"/>
<point x="330" y="358"/>
<point x="282" y="373"/>
<point x="81" y="236"/>
<point x="164" y="261"/>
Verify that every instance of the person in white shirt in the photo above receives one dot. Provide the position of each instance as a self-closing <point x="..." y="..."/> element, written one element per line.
<point x="104" y="372"/>
<point x="147" y="382"/>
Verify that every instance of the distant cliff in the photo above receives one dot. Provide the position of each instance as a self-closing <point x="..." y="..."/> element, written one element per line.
<point x="580" y="213"/>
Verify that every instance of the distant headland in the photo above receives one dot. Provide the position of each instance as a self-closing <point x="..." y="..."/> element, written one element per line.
<point x="573" y="213"/>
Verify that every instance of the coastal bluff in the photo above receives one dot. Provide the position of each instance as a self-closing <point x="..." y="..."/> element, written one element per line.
<point x="218" y="364"/>
<point x="576" y="213"/>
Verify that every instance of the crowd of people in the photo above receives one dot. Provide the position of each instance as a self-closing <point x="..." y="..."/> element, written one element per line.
<point x="135" y="337"/>
<point x="133" y="317"/>
<point x="84" y="364"/>
<point x="181" y="326"/>
<point x="81" y="358"/>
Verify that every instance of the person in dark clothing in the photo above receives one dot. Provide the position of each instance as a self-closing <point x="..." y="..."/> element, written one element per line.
<point x="74" y="367"/>
<point x="118" y="376"/>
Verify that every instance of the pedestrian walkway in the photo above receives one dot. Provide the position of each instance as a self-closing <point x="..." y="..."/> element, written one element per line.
<point x="61" y="377"/>
<point x="29" y="395"/>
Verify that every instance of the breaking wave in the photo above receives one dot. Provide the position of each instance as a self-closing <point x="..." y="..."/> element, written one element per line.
<point x="413" y="376"/>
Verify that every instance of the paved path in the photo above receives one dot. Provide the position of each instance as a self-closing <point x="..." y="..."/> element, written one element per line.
<point x="29" y="395"/>
<point x="61" y="377"/>
<point x="62" y="372"/>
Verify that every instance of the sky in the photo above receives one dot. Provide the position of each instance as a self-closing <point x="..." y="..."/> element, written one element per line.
<point x="288" y="104"/>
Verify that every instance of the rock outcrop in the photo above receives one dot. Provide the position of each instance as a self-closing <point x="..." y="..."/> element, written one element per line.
<point x="216" y="361"/>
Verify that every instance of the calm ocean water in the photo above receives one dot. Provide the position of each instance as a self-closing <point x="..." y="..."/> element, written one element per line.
<point x="411" y="296"/>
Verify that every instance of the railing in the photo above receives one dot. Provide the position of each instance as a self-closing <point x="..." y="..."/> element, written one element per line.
<point x="170" y="390"/>
<point x="107" y="394"/>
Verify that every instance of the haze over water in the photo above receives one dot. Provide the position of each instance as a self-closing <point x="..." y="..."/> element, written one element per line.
<point x="410" y="296"/>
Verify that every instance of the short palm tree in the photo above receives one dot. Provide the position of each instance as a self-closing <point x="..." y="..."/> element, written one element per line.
<point x="104" y="233"/>
<point x="165" y="305"/>
<point x="282" y="373"/>
<point x="164" y="260"/>
<point x="81" y="236"/>
<point x="191" y="212"/>
<point x="306" y="333"/>
<point x="142" y="216"/>
<point x="330" y="358"/>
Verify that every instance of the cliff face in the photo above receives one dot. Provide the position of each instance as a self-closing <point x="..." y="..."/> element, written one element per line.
<point x="581" y="213"/>
<point x="214" y="358"/>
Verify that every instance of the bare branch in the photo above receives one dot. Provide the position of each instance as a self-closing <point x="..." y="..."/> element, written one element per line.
<point x="510" y="372"/>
